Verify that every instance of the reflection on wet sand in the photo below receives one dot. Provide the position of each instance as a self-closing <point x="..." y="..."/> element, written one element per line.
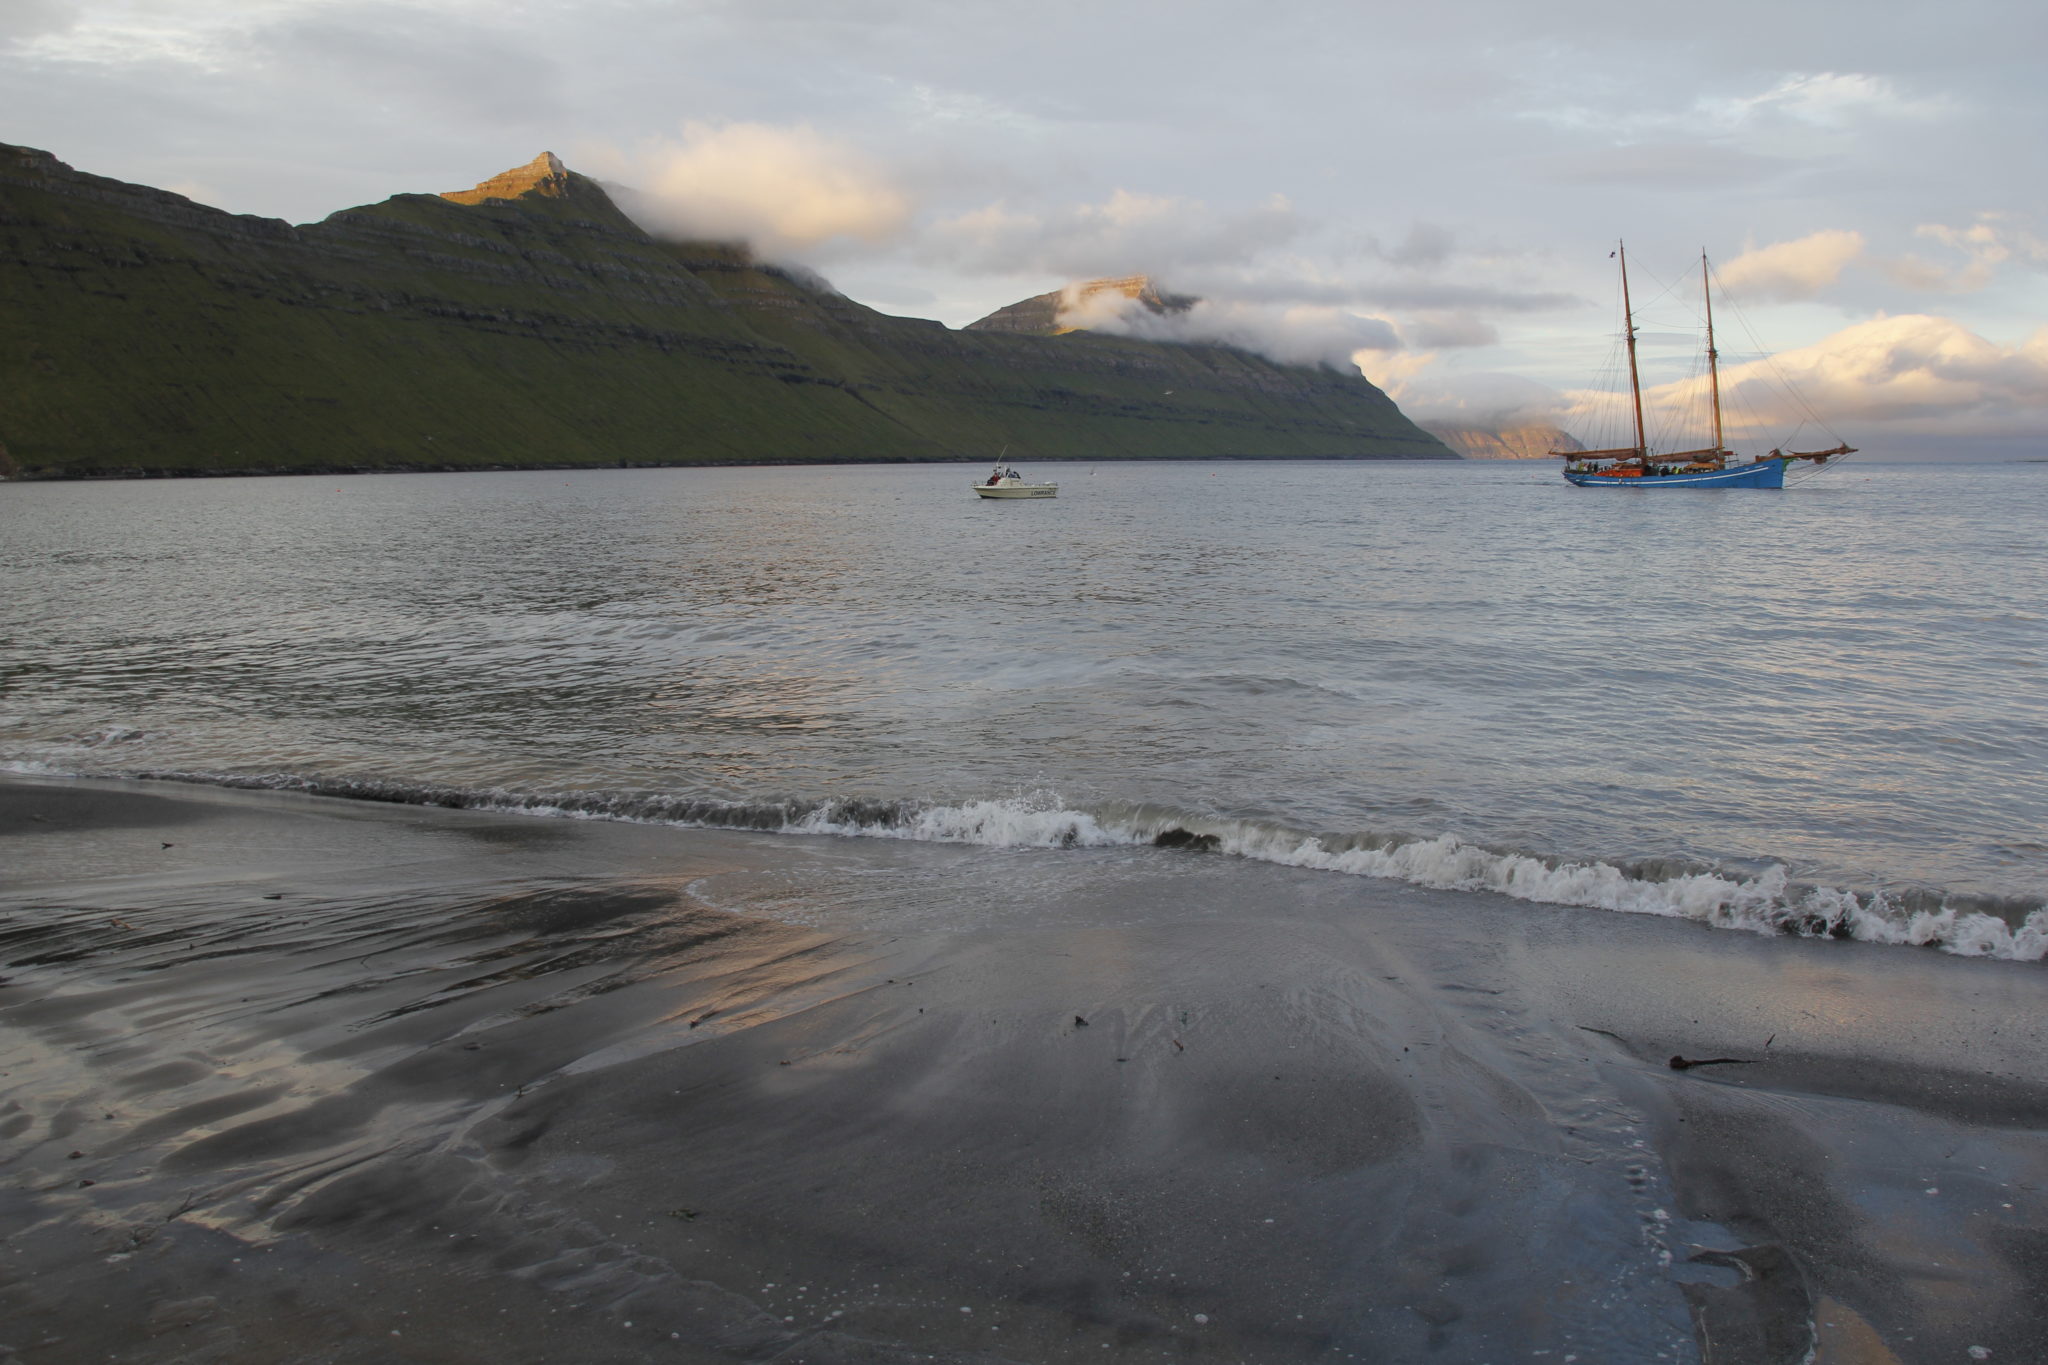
<point x="300" y="1080"/>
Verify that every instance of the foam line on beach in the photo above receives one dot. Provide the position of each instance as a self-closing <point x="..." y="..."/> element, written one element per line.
<point x="1768" y="903"/>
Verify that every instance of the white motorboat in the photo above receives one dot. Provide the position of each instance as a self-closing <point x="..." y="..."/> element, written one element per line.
<point x="1008" y="483"/>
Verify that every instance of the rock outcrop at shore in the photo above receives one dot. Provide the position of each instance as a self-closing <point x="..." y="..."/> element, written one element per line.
<point x="530" y="322"/>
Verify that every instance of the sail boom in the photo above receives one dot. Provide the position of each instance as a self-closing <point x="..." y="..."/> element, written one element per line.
<point x="1631" y="451"/>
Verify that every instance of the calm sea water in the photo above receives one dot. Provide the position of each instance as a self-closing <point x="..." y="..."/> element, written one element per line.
<point x="1823" y="708"/>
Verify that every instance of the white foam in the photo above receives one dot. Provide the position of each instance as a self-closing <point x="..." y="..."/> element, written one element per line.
<point x="1035" y="821"/>
<point x="29" y="767"/>
<point x="106" y="735"/>
<point x="1766" y="904"/>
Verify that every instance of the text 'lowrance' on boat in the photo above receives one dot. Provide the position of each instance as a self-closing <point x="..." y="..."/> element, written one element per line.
<point x="1008" y="483"/>
<point x="1714" y="466"/>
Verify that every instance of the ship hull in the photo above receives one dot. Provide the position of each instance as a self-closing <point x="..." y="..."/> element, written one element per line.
<point x="1007" y="489"/>
<point x="1762" y="474"/>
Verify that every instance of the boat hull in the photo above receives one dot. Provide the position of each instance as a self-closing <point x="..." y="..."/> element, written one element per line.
<point x="1018" y="490"/>
<point x="1762" y="474"/>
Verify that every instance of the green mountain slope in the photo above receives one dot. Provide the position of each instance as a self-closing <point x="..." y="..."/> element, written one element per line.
<point x="530" y="322"/>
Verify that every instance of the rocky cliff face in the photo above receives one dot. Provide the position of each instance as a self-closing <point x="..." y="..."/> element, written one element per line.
<point x="1515" y="441"/>
<point x="545" y="176"/>
<point x="529" y="321"/>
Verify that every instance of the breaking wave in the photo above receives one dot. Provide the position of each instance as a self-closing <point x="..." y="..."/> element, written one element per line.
<point x="1769" y="902"/>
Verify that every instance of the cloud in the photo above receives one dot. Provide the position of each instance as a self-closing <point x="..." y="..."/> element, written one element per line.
<point x="1915" y="371"/>
<point x="455" y="60"/>
<point x="791" y="191"/>
<point x="1827" y="100"/>
<point x="1487" y="399"/>
<point x="1791" y="270"/>
<point x="786" y="190"/>
<point x="458" y="66"/>
<point x="1990" y="242"/>
<point x="930" y="104"/>
<point x="1293" y="335"/>
<point x="21" y="19"/>
<point x="1639" y="135"/>
<point x="1426" y="245"/>
<point x="1917" y="272"/>
<point x="1668" y="165"/>
<point x="85" y="35"/>
<point x="1127" y="233"/>
<point x="1291" y="307"/>
<point x="1303" y="282"/>
<point x="1455" y="330"/>
<point x="1831" y="99"/>
<point x="899" y="295"/>
<point x="1993" y="238"/>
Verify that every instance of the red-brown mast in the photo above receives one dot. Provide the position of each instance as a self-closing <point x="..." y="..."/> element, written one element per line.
<point x="1635" y="385"/>
<point x="1713" y="356"/>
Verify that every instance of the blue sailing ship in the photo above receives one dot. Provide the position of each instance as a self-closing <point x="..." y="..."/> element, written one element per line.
<point x="1715" y="466"/>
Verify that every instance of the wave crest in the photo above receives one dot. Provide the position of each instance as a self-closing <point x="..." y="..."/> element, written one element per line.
<point x="1769" y="903"/>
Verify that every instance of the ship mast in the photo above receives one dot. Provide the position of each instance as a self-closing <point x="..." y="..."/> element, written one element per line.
<point x="1713" y="356"/>
<point x="1635" y="384"/>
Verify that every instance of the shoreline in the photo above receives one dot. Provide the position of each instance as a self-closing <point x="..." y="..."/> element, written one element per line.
<point x="128" y="474"/>
<point x="1758" y="897"/>
<point x="144" y="473"/>
<point x="534" y="1090"/>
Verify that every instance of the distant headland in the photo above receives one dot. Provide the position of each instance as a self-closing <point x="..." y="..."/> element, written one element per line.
<point x="529" y="322"/>
<point x="1506" y="440"/>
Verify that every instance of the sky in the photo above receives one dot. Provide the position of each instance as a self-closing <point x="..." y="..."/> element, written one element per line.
<point x="1429" y="191"/>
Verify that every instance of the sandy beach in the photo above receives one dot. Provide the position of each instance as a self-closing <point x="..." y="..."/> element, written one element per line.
<point x="295" y="1079"/>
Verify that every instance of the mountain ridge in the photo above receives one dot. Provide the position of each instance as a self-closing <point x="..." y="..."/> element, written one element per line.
<point x="530" y="322"/>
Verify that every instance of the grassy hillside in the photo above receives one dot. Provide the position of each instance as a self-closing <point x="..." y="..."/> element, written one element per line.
<point x="140" y="332"/>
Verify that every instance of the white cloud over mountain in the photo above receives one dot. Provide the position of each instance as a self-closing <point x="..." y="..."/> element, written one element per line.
<point x="1912" y="383"/>
<point x="785" y="190"/>
<point x="1909" y="368"/>
<point x="1298" y="334"/>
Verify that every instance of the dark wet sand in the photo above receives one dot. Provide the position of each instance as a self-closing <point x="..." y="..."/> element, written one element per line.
<point x="333" y="1082"/>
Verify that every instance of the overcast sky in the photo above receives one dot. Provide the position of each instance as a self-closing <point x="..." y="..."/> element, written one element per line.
<point x="1430" y="189"/>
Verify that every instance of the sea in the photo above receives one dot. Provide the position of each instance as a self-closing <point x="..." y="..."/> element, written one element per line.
<point x="1820" y="711"/>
